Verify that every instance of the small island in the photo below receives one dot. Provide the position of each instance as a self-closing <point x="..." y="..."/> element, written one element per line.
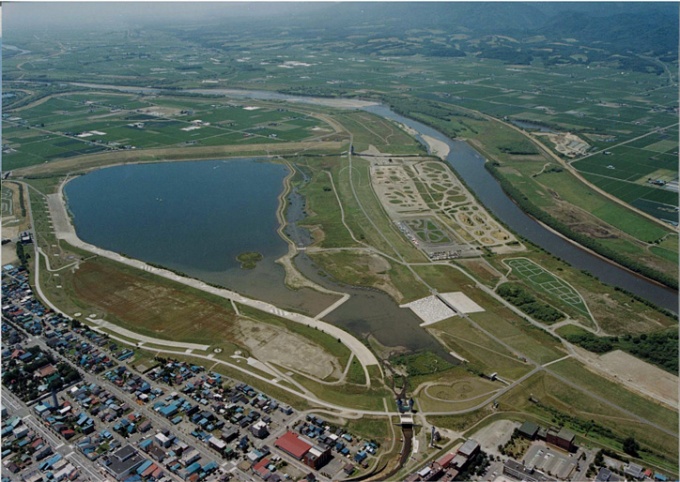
<point x="249" y="259"/>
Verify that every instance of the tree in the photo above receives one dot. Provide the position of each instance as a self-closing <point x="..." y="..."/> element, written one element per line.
<point x="631" y="447"/>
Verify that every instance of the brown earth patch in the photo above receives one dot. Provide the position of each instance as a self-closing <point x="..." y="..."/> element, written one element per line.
<point x="616" y="317"/>
<point x="270" y="343"/>
<point x="593" y="231"/>
<point x="150" y="308"/>
<point x="580" y="221"/>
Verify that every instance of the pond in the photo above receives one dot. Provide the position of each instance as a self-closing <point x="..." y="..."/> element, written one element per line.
<point x="195" y="218"/>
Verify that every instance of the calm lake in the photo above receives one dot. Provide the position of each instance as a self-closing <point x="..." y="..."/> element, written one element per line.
<point x="193" y="217"/>
<point x="469" y="165"/>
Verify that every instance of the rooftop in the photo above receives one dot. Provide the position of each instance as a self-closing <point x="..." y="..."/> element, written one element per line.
<point x="292" y="444"/>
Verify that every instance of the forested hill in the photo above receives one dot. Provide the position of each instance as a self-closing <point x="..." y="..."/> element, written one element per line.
<point x="637" y="26"/>
<point x="617" y="28"/>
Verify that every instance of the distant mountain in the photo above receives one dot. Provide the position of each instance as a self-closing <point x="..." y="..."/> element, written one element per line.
<point x="655" y="30"/>
<point x="426" y="28"/>
<point x="637" y="26"/>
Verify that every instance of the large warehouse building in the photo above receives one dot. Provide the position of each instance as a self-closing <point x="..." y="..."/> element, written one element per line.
<point x="314" y="456"/>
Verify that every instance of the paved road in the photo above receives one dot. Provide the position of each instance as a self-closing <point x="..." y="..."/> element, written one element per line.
<point x="362" y="353"/>
<point x="64" y="230"/>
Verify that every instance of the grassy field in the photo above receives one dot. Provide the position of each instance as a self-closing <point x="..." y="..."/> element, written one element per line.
<point x="615" y="311"/>
<point x="368" y="129"/>
<point x="357" y="268"/>
<point x="559" y="403"/>
<point x="346" y="395"/>
<point x="528" y="340"/>
<point x="71" y="125"/>
<point x="463" y="422"/>
<point x="323" y="209"/>
<point x="355" y="374"/>
<point x="456" y="390"/>
<point x="591" y="383"/>
<point x="484" y="354"/>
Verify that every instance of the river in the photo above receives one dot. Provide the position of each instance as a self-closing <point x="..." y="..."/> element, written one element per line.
<point x="469" y="165"/>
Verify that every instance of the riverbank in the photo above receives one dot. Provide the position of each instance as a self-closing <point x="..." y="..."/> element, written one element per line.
<point x="65" y="231"/>
<point x="293" y="278"/>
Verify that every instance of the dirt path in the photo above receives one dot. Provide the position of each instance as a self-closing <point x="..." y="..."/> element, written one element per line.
<point x="64" y="230"/>
<point x="546" y="150"/>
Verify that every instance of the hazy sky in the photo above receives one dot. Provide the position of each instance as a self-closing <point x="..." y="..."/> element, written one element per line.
<point x="38" y="15"/>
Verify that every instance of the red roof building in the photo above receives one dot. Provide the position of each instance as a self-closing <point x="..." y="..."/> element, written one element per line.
<point x="261" y="469"/>
<point x="446" y="460"/>
<point x="292" y="445"/>
<point x="45" y="371"/>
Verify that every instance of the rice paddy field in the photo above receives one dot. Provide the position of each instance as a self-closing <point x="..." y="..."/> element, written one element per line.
<point x="626" y="119"/>
<point x="75" y="124"/>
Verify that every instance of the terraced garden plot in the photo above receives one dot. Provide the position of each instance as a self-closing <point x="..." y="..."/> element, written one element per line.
<point x="546" y="282"/>
<point x="450" y="197"/>
<point x="7" y="202"/>
<point x="397" y="190"/>
<point x="428" y="231"/>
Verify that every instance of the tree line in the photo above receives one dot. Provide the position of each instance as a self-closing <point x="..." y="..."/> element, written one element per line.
<point x="526" y="302"/>
<point x="659" y="348"/>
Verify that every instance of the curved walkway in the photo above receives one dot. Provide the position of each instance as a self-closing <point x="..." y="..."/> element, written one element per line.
<point x="145" y="339"/>
<point x="64" y="231"/>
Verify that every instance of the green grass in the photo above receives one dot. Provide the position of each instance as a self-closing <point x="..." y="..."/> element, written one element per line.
<point x="592" y="383"/>
<point x="523" y="337"/>
<point x="670" y="255"/>
<point x="421" y="364"/>
<point x="560" y="403"/>
<point x="460" y="423"/>
<point x="484" y="354"/>
<point x="324" y="211"/>
<point x="249" y="260"/>
<point x="346" y="395"/>
<point x="371" y="428"/>
<point x="356" y="374"/>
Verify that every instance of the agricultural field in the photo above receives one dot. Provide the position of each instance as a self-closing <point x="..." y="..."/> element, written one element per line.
<point x="76" y="124"/>
<point x="643" y="173"/>
<point x="567" y="126"/>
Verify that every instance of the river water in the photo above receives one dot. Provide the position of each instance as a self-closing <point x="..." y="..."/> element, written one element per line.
<point x="374" y="312"/>
<point x="469" y="165"/>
